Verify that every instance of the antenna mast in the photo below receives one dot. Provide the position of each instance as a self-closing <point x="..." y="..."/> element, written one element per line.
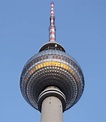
<point x="52" y="28"/>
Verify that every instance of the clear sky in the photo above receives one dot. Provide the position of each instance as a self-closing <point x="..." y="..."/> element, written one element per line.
<point x="81" y="29"/>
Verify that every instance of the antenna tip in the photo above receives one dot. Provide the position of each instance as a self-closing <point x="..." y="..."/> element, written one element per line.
<point x="52" y="3"/>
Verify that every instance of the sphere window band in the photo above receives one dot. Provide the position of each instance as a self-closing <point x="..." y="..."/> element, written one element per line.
<point x="51" y="64"/>
<point x="54" y="56"/>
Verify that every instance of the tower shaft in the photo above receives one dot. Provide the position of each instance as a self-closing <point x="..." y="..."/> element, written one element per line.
<point x="52" y="110"/>
<point x="52" y="104"/>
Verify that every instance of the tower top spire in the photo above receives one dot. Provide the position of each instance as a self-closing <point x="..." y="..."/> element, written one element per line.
<point x="52" y="44"/>
<point x="52" y="28"/>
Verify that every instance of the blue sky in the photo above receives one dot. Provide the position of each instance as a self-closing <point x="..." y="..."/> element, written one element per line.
<point x="81" y="29"/>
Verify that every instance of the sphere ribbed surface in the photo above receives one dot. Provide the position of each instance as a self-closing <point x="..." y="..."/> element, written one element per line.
<point x="52" y="68"/>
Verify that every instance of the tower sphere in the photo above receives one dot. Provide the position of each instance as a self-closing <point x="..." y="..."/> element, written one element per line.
<point x="52" y="66"/>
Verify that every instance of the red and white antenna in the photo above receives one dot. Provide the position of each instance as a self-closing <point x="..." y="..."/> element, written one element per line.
<point x="52" y="28"/>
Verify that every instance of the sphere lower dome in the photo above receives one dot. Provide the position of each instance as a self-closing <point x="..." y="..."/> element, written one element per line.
<point x="52" y="68"/>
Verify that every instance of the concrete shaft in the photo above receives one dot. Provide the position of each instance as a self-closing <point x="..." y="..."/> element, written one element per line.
<point x="51" y="110"/>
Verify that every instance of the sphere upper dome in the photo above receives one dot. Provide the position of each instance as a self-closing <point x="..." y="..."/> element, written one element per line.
<point x="52" y="46"/>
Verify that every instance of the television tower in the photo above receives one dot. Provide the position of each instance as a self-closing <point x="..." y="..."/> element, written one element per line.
<point x="51" y="80"/>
